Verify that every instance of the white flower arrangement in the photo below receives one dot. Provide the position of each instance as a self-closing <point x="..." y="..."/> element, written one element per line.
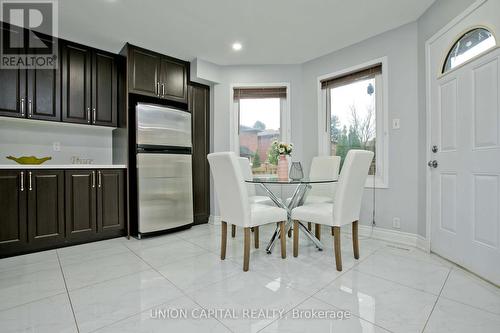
<point x="282" y="148"/>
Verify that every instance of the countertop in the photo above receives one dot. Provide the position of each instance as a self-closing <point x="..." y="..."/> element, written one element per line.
<point x="62" y="166"/>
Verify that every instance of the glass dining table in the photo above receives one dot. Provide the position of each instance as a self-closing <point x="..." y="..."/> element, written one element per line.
<point x="298" y="197"/>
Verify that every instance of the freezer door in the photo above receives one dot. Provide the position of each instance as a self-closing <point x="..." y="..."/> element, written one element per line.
<point x="165" y="191"/>
<point x="161" y="126"/>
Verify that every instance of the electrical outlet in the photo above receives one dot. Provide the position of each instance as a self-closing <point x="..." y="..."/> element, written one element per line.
<point x="396" y="223"/>
<point x="396" y="123"/>
<point x="56" y="146"/>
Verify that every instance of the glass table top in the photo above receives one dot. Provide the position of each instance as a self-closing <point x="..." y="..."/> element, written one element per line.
<point x="275" y="180"/>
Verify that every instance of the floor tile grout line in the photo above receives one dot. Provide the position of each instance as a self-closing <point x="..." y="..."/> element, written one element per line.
<point x="437" y="263"/>
<point x="67" y="292"/>
<point x="469" y="305"/>
<point x="33" y="301"/>
<point x="436" y="301"/>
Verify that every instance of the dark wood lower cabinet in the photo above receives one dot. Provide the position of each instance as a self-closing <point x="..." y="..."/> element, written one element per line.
<point x="43" y="209"/>
<point x="81" y="218"/>
<point x="45" y="206"/>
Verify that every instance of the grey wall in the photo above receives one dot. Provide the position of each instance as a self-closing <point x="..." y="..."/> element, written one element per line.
<point x="436" y="17"/>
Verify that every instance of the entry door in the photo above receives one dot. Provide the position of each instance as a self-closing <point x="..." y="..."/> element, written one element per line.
<point x="465" y="130"/>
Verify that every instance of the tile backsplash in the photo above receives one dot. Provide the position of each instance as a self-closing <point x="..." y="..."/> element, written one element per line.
<point x="22" y="137"/>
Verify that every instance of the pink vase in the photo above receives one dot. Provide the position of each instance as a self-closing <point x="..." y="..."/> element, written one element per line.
<point x="282" y="168"/>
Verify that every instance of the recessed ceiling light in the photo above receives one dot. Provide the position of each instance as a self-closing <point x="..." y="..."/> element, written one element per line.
<point x="237" y="46"/>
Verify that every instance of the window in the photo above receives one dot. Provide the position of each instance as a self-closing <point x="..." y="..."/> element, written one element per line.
<point x="470" y="45"/>
<point x="355" y="118"/>
<point x="260" y="121"/>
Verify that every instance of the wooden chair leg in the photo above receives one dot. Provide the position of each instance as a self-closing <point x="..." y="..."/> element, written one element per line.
<point x="223" y="241"/>
<point x="317" y="231"/>
<point x="295" y="238"/>
<point x="336" y="248"/>
<point x="233" y="230"/>
<point x="246" y="249"/>
<point x="283" y="240"/>
<point x="355" y="241"/>
<point x="333" y="232"/>
<point x="309" y="226"/>
<point x="256" y="236"/>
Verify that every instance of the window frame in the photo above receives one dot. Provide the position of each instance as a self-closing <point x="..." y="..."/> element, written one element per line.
<point x="381" y="178"/>
<point x="285" y="122"/>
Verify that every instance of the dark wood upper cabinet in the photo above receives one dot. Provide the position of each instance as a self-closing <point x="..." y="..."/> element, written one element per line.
<point x="12" y="209"/>
<point x="144" y="72"/>
<point x="173" y="80"/>
<point x="45" y="206"/>
<point x="110" y="200"/>
<point x="199" y="106"/>
<point x="156" y="75"/>
<point x="80" y="204"/>
<point x="104" y="89"/>
<point x="76" y="83"/>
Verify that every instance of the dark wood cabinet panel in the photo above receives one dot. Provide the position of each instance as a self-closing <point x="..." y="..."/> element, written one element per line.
<point x="173" y="80"/>
<point x="199" y="105"/>
<point x="45" y="206"/>
<point x="13" y="101"/>
<point x="80" y="204"/>
<point x="104" y="89"/>
<point x="12" y="209"/>
<point x="76" y="82"/>
<point x="110" y="200"/>
<point x="144" y="72"/>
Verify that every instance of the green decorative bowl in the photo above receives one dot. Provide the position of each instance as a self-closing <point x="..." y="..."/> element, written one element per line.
<point x="29" y="159"/>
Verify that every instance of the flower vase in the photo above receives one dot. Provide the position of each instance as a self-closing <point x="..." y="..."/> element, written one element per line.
<point x="282" y="168"/>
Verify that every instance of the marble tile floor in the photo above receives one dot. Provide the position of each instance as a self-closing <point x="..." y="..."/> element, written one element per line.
<point x="177" y="283"/>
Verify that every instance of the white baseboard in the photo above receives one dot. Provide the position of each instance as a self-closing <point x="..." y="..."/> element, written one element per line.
<point x="215" y="220"/>
<point x="394" y="236"/>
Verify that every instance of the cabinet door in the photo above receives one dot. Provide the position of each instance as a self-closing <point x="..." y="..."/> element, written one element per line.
<point x="80" y="204"/>
<point x="45" y="206"/>
<point x="12" y="209"/>
<point x="110" y="200"/>
<point x="104" y="89"/>
<point x="173" y="80"/>
<point x="44" y="91"/>
<point x="199" y="107"/>
<point x="144" y="71"/>
<point x="76" y="83"/>
<point x="13" y="101"/>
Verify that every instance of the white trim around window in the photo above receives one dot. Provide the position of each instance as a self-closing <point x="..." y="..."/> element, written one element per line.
<point x="381" y="179"/>
<point x="234" y="121"/>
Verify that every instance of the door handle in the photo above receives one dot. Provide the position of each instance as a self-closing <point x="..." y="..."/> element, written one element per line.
<point x="163" y="89"/>
<point x="22" y="107"/>
<point x="99" y="179"/>
<point x="433" y="164"/>
<point x="93" y="179"/>
<point x="22" y="181"/>
<point x="158" y="88"/>
<point x="30" y="108"/>
<point x="88" y="115"/>
<point x="30" y="187"/>
<point x="93" y="115"/>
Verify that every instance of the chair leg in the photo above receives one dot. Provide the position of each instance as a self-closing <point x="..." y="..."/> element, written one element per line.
<point x="283" y="240"/>
<point x="333" y="232"/>
<point x="355" y="241"/>
<point x="223" y="241"/>
<point x="317" y="231"/>
<point x="256" y="236"/>
<point x="336" y="248"/>
<point x="309" y="226"/>
<point x="246" y="249"/>
<point x="233" y="230"/>
<point x="295" y="238"/>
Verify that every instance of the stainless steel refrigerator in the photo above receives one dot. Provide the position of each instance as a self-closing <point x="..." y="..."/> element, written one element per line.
<point x="165" y="194"/>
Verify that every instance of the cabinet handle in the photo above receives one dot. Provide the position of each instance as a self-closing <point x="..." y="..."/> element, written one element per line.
<point x="88" y="115"/>
<point x="93" y="179"/>
<point x="22" y="107"/>
<point x="29" y="181"/>
<point x="22" y="181"/>
<point x="93" y="115"/>
<point x="99" y="179"/>
<point x="30" y="108"/>
<point x="158" y="88"/>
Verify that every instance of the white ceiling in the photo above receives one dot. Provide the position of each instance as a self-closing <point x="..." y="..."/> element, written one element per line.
<point x="271" y="31"/>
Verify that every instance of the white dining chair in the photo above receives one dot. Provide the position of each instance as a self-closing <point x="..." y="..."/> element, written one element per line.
<point x="235" y="206"/>
<point x="346" y="205"/>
